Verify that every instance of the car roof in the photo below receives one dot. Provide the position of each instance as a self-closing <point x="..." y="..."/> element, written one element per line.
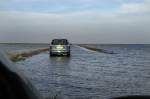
<point x="59" y="39"/>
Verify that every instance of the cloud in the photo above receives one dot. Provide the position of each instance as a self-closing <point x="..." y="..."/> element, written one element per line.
<point x="79" y="27"/>
<point x="71" y="6"/>
<point x="136" y="8"/>
<point x="81" y="21"/>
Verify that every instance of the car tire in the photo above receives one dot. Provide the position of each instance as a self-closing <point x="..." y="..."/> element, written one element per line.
<point x="68" y="54"/>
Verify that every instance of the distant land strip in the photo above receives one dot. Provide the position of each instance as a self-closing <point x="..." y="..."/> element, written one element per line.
<point x="90" y="47"/>
<point x="23" y="55"/>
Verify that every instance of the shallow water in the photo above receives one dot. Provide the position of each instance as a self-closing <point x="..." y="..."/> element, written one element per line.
<point x="91" y="75"/>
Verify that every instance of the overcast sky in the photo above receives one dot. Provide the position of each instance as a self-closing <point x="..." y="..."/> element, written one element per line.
<point x="80" y="21"/>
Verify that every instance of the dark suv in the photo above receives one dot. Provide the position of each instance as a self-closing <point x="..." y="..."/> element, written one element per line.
<point x="60" y="47"/>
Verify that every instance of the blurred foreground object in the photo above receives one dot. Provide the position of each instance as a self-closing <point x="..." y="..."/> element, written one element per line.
<point x="13" y="85"/>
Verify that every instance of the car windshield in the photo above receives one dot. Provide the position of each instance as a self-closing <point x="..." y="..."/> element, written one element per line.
<point x="59" y="42"/>
<point x="79" y="49"/>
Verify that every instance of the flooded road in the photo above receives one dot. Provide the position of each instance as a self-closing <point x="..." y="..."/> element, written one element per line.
<point x="90" y="75"/>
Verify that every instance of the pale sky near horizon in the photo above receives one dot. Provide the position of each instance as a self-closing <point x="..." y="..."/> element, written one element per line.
<point x="80" y="21"/>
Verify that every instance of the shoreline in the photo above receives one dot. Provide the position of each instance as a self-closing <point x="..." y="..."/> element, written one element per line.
<point x="95" y="49"/>
<point x="26" y="54"/>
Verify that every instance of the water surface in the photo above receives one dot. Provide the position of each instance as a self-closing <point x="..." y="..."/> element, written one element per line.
<point x="91" y="75"/>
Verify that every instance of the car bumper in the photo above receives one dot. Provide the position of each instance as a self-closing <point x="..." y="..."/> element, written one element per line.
<point x="59" y="52"/>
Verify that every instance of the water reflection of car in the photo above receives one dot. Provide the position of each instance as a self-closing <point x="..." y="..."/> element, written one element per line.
<point x="60" y="47"/>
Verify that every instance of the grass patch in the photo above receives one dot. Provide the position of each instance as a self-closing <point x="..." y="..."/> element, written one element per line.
<point x="23" y="55"/>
